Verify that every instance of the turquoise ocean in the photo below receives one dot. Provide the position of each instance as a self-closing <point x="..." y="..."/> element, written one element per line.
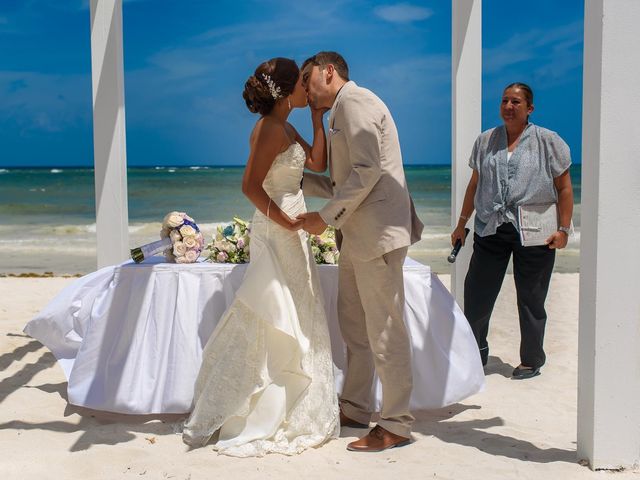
<point x="47" y="215"/>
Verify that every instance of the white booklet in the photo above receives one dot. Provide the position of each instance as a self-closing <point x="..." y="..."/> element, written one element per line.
<point x="537" y="223"/>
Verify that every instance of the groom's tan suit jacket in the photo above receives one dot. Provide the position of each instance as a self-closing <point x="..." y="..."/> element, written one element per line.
<point x="370" y="202"/>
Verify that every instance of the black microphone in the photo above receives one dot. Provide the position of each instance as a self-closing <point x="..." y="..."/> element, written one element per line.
<point x="456" y="248"/>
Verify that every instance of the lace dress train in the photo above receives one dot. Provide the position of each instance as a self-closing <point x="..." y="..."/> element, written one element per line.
<point x="266" y="381"/>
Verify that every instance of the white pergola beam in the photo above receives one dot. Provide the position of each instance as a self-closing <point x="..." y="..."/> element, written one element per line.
<point x="466" y="101"/>
<point x="609" y="338"/>
<point x="109" y="139"/>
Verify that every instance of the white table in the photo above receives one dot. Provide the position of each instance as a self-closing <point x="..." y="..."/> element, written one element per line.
<point x="130" y="337"/>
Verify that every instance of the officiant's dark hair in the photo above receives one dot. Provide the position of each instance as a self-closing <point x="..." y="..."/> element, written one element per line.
<point x="322" y="59"/>
<point x="272" y="80"/>
<point x="526" y="89"/>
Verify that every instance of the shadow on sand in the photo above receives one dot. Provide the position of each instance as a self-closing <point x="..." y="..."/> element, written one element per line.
<point x="105" y="428"/>
<point x="96" y="427"/>
<point x="440" y="423"/>
<point x="495" y="365"/>
<point x="12" y="383"/>
<point x="472" y="433"/>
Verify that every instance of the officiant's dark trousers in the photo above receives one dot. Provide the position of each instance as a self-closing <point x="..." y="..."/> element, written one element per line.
<point x="532" y="267"/>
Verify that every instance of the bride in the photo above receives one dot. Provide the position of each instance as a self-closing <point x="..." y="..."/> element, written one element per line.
<point x="266" y="381"/>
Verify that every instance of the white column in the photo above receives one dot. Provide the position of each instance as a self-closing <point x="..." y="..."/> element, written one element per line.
<point x="109" y="142"/>
<point x="466" y="97"/>
<point x="609" y="338"/>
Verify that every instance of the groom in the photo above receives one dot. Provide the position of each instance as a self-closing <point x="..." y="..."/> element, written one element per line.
<point x="371" y="206"/>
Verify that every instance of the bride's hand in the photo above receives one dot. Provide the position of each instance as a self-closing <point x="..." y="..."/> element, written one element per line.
<point x="317" y="113"/>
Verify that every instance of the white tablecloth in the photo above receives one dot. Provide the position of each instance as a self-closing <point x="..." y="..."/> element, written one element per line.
<point x="130" y="337"/>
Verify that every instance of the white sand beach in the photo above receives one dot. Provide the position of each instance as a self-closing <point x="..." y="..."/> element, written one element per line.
<point x="513" y="430"/>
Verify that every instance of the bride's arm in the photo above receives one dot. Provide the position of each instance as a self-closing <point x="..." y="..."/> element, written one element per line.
<point x="316" y="153"/>
<point x="266" y="143"/>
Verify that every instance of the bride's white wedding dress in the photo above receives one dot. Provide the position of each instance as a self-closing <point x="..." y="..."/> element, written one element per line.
<point x="266" y="381"/>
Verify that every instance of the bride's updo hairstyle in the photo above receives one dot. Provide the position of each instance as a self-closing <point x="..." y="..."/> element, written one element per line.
<point x="272" y="80"/>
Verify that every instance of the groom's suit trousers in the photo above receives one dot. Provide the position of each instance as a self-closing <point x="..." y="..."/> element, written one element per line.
<point x="370" y="309"/>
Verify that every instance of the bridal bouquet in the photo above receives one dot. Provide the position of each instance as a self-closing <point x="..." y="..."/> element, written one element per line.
<point x="324" y="248"/>
<point x="230" y="243"/>
<point x="180" y="239"/>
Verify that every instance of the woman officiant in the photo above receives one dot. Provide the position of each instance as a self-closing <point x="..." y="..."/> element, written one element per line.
<point x="515" y="164"/>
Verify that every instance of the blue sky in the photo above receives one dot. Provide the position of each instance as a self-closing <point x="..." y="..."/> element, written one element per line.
<point x="186" y="63"/>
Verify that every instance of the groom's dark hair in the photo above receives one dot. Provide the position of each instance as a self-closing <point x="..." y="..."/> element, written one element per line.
<point x="322" y="59"/>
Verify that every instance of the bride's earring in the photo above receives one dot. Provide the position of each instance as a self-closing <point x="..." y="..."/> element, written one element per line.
<point x="289" y="102"/>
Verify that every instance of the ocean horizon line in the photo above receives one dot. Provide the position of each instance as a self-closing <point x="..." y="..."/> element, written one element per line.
<point x="191" y="167"/>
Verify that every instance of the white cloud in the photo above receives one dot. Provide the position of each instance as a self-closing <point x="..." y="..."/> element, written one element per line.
<point x="533" y="44"/>
<point x="240" y="47"/>
<point x="543" y="58"/>
<point x="403" y="13"/>
<point x="425" y="80"/>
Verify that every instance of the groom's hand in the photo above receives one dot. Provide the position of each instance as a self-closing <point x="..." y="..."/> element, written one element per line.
<point x="313" y="223"/>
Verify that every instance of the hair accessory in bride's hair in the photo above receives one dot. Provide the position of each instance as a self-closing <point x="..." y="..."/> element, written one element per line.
<point x="275" y="91"/>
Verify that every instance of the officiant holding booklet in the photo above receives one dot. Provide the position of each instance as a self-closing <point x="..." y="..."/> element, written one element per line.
<point x="520" y="174"/>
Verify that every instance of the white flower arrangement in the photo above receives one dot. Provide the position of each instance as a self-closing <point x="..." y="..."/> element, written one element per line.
<point x="180" y="239"/>
<point x="324" y="248"/>
<point x="230" y="244"/>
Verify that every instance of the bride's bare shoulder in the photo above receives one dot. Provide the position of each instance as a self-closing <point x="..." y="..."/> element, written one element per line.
<point x="267" y="131"/>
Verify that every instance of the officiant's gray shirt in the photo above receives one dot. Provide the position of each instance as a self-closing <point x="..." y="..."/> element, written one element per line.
<point x="525" y="179"/>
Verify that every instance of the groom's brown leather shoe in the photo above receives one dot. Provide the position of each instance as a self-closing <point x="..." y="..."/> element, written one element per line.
<point x="349" y="423"/>
<point x="377" y="440"/>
